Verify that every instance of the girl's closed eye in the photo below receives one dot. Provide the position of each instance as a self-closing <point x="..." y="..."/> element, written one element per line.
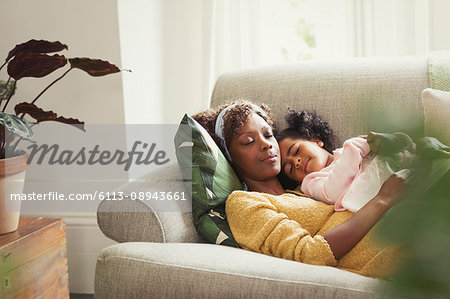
<point x="288" y="168"/>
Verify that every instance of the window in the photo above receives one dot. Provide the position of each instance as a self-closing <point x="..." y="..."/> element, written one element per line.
<point x="294" y="30"/>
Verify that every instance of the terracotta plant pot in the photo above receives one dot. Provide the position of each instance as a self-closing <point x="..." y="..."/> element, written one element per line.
<point x="12" y="179"/>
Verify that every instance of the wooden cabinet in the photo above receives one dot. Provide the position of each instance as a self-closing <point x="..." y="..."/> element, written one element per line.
<point x="33" y="260"/>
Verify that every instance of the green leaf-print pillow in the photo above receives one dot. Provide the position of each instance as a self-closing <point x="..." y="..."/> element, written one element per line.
<point x="208" y="174"/>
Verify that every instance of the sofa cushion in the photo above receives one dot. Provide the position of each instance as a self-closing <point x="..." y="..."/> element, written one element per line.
<point x="439" y="70"/>
<point x="340" y="91"/>
<point x="436" y="104"/>
<point x="153" y="270"/>
<point x="207" y="172"/>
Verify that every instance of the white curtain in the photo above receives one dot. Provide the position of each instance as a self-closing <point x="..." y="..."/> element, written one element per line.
<point x="231" y="38"/>
<point x="238" y="33"/>
<point x="389" y="27"/>
<point x="177" y="48"/>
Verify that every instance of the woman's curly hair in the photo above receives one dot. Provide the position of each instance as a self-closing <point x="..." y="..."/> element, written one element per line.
<point x="233" y="119"/>
<point x="305" y="125"/>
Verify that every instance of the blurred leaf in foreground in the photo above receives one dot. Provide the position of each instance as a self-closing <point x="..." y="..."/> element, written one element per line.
<point x="420" y="225"/>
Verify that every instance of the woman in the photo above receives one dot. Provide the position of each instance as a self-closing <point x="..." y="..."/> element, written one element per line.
<point x="285" y="224"/>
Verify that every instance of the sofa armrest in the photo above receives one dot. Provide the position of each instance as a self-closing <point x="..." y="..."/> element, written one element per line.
<point x="129" y="220"/>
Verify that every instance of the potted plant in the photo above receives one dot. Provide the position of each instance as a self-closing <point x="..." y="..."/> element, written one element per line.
<point x="31" y="59"/>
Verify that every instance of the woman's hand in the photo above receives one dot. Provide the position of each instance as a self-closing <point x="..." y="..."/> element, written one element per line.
<point x="346" y="235"/>
<point x="392" y="189"/>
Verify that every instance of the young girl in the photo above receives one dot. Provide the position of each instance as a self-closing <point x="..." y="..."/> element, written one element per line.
<point x="347" y="177"/>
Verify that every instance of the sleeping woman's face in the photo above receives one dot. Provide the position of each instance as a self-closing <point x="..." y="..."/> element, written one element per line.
<point x="254" y="150"/>
<point x="300" y="157"/>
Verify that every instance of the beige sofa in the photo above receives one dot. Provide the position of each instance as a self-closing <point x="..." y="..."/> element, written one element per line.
<point x="161" y="255"/>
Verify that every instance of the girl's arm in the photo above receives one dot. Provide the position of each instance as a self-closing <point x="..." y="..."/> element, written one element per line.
<point x="345" y="236"/>
<point x="330" y="186"/>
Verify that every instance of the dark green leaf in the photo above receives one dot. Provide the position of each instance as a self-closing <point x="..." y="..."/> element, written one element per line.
<point x="36" y="46"/>
<point x="26" y="64"/>
<point x="94" y="67"/>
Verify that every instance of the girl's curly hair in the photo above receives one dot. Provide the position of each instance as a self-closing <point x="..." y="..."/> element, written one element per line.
<point x="233" y="119"/>
<point x="305" y="125"/>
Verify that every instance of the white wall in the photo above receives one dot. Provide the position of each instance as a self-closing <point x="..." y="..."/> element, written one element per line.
<point x="90" y="29"/>
<point x="161" y="42"/>
<point x="140" y="42"/>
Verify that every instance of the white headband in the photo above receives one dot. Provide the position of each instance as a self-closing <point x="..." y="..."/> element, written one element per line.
<point x="220" y="124"/>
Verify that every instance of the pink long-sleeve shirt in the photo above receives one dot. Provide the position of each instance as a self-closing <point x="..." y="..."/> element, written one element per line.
<point x="332" y="182"/>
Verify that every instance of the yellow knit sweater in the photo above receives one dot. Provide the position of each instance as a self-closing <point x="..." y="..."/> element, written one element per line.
<point x="291" y="226"/>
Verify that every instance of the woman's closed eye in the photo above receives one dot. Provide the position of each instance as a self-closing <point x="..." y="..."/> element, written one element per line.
<point x="247" y="141"/>
<point x="268" y="133"/>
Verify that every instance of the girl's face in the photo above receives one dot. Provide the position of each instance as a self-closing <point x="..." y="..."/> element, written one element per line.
<point x="255" y="150"/>
<point x="300" y="157"/>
